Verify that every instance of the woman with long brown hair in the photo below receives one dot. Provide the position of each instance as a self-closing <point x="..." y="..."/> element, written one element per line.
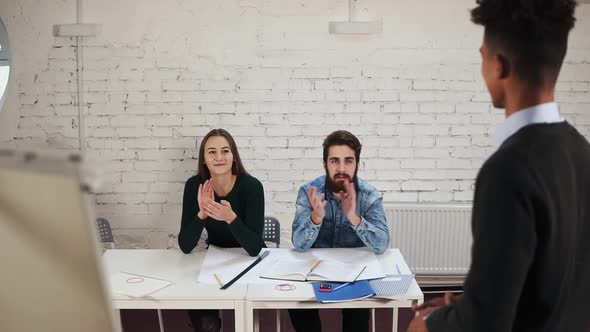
<point x="224" y="199"/>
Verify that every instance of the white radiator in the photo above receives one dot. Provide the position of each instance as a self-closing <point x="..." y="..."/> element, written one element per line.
<point x="434" y="239"/>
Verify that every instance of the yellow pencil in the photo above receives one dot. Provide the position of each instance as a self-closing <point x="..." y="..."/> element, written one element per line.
<point x="316" y="265"/>
<point x="219" y="281"/>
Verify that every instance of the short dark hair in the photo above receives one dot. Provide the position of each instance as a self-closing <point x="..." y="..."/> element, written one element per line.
<point x="342" y="137"/>
<point x="531" y="34"/>
<point x="237" y="167"/>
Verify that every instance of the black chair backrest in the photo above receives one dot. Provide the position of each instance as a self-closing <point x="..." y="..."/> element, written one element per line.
<point x="104" y="229"/>
<point x="272" y="230"/>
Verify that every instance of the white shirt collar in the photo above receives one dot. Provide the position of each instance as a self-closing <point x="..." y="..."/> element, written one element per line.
<point x="542" y="113"/>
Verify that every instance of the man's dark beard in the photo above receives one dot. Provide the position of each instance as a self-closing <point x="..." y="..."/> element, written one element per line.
<point x="337" y="186"/>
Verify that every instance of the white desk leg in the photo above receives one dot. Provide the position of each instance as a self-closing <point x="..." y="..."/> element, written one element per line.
<point x="117" y="320"/>
<point x="160" y="320"/>
<point x="256" y="321"/>
<point x="240" y="315"/>
<point x="395" y="320"/>
<point x="248" y="317"/>
<point x="373" y="320"/>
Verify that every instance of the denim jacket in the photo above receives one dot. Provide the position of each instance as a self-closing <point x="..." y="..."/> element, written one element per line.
<point x="336" y="231"/>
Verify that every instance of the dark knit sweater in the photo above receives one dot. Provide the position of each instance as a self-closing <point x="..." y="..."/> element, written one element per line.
<point x="530" y="266"/>
<point x="247" y="201"/>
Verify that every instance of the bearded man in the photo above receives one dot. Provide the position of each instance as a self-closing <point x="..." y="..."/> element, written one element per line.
<point x="338" y="210"/>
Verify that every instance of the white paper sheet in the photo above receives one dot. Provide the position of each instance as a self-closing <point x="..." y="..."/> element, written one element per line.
<point x="135" y="285"/>
<point x="227" y="263"/>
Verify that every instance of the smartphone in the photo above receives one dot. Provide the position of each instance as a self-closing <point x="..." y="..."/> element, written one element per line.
<point x="325" y="288"/>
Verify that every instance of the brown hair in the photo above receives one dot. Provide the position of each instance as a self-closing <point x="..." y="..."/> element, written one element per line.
<point x="342" y="137"/>
<point x="237" y="167"/>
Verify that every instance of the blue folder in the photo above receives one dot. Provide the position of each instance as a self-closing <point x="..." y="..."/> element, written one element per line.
<point x="357" y="290"/>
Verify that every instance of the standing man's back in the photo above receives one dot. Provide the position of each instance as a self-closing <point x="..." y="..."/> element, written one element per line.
<point x="530" y="267"/>
<point x="532" y="234"/>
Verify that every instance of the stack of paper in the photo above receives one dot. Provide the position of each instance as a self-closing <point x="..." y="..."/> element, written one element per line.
<point x="396" y="284"/>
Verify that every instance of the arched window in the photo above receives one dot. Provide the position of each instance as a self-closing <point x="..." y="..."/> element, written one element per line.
<point x="4" y="62"/>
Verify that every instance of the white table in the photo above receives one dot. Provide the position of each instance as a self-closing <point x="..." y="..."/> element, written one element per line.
<point x="187" y="293"/>
<point x="182" y="270"/>
<point x="265" y="296"/>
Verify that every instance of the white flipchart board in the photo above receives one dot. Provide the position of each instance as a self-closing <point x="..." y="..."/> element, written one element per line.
<point x="50" y="279"/>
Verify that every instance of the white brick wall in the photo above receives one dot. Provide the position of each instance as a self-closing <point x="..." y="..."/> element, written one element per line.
<point x="271" y="74"/>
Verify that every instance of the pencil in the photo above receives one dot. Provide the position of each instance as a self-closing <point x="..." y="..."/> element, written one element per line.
<point x="218" y="281"/>
<point x="344" y="284"/>
<point x="315" y="265"/>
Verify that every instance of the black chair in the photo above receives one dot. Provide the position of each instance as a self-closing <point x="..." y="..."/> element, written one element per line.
<point x="105" y="232"/>
<point x="272" y="230"/>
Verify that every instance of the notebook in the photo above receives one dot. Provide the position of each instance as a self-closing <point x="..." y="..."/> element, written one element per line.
<point x="357" y="290"/>
<point x="396" y="284"/>
<point x="313" y="270"/>
<point x="135" y="285"/>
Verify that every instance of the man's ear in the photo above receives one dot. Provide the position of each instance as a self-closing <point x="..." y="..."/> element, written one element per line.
<point x="503" y="67"/>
